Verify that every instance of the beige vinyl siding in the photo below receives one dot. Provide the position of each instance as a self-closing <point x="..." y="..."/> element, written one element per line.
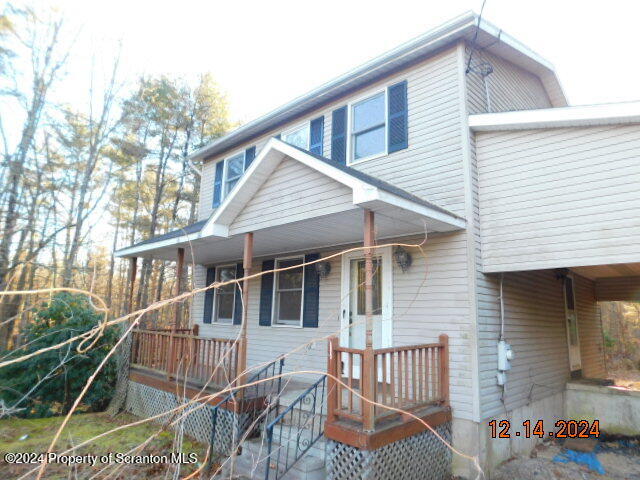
<point x="429" y="299"/>
<point x="510" y="87"/>
<point x="426" y="303"/>
<point x="589" y="329"/>
<point x="266" y="343"/>
<point x="535" y="328"/>
<point x="618" y="289"/>
<point x="559" y="197"/>
<point x="292" y="193"/>
<point x="430" y="167"/>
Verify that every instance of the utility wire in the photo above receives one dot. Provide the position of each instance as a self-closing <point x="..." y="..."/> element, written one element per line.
<point x="475" y="37"/>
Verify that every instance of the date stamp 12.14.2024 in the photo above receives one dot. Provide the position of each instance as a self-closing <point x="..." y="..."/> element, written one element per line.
<point x="530" y="429"/>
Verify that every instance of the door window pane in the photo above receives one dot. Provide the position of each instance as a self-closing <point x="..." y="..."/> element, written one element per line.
<point x="377" y="287"/>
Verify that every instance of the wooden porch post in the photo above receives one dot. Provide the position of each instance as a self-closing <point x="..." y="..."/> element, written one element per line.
<point x="368" y="367"/>
<point x="444" y="369"/>
<point x="133" y="269"/>
<point x="177" y="323"/>
<point x="173" y="361"/>
<point x="246" y="263"/>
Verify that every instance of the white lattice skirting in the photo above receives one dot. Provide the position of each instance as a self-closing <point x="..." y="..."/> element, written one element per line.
<point x="420" y="457"/>
<point x="144" y="401"/>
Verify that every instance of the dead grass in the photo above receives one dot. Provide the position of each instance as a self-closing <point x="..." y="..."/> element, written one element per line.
<point x="627" y="378"/>
<point x="34" y="435"/>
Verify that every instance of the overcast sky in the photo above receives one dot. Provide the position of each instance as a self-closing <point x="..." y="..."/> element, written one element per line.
<point x="264" y="53"/>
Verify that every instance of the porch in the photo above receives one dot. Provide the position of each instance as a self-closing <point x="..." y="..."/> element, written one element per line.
<point x="404" y="381"/>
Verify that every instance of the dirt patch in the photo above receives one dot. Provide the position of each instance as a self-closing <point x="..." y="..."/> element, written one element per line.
<point x="626" y="378"/>
<point x="620" y="460"/>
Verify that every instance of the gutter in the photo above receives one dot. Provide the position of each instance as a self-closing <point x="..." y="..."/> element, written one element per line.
<point x="462" y="27"/>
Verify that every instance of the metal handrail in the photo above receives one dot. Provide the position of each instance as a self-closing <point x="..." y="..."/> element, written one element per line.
<point x="311" y="395"/>
<point x="252" y="414"/>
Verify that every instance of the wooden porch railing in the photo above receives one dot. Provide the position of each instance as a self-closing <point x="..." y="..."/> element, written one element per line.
<point x="406" y="378"/>
<point x="186" y="356"/>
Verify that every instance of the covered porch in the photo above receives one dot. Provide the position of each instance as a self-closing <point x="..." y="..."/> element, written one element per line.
<point x="367" y="361"/>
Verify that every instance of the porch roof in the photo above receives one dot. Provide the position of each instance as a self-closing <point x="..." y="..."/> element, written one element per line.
<point x="208" y="241"/>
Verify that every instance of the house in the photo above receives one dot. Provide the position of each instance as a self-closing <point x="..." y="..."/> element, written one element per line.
<point x="482" y="218"/>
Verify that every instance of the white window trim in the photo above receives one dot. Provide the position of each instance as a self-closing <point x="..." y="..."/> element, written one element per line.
<point x="350" y="105"/>
<point x="299" y="126"/>
<point x="214" y="313"/>
<point x="274" y="294"/>
<point x="223" y="187"/>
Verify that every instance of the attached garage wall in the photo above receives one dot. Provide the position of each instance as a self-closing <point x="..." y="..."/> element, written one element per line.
<point x="590" y="329"/>
<point x="535" y="328"/>
<point x="559" y="197"/>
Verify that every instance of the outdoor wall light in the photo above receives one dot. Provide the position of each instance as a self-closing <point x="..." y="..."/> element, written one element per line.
<point x="402" y="258"/>
<point x="323" y="269"/>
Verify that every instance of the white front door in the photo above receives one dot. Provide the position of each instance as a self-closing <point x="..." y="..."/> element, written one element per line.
<point x="353" y="318"/>
<point x="571" y="315"/>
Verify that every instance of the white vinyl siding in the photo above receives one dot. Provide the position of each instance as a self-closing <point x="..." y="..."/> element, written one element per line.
<point x="510" y="87"/>
<point x="292" y="193"/>
<point x="533" y="300"/>
<point x="535" y="328"/>
<point x="559" y="197"/>
<point x="426" y="303"/>
<point x="431" y="166"/>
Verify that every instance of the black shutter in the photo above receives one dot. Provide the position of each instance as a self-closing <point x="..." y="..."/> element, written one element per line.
<point x="310" y="309"/>
<point x="316" y="135"/>
<point x="398" y="117"/>
<point x="237" y="305"/>
<point x="249" y="155"/>
<point x="266" y="294"/>
<point x="217" y="184"/>
<point x="339" y="135"/>
<point x="208" y="295"/>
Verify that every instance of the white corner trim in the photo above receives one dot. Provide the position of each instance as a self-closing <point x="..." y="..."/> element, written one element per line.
<point x="587" y="115"/>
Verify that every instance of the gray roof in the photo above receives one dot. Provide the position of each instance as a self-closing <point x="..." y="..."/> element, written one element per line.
<point x="376" y="182"/>
<point x="463" y="27"/>
<point x="363" y="177"/>
<point x="186" y="230"/>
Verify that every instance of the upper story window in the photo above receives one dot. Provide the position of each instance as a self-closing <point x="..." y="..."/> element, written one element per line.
<point x="298" y="136"/>
<point x="369" y="127"/>
<point x="225" y="295"/>
<point x="233" y="170"/>
<point x="288" y="288"/>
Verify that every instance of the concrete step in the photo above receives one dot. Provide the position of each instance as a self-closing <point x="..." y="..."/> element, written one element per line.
<point x="253" y="461"/>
